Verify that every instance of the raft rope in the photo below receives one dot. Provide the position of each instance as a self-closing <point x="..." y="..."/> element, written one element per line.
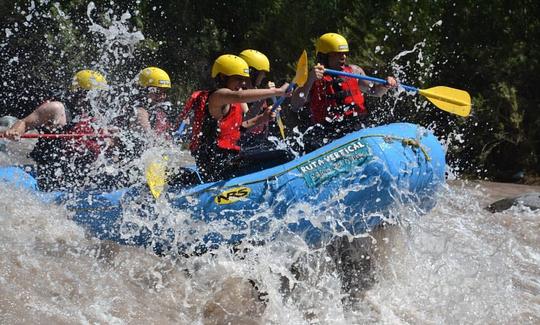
<point x="414" y="143"/>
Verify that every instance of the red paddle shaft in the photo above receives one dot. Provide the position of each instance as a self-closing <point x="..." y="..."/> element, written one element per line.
<point x="61" y="135"/>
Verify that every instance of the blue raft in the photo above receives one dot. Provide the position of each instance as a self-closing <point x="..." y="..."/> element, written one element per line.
<point x="342" y="188"/>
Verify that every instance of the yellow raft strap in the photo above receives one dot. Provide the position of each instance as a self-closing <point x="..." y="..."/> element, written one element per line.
<point x="405" y="141"/>
<point x="415" y="144"/>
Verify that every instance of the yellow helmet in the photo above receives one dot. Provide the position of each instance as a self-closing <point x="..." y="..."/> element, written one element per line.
<point x="256" y="60"/>
<point x="230" y="65"/>
<point x="154" y="77"/>
<point x="88" y="80"/>
<point x="331" y="42"/>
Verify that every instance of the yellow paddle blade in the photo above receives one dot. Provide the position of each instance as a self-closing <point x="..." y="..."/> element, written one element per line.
<point x="301" y="70"/>
<point x="280" y="125"/>
<point x="449" y="99"/>
<point x="156" y="177"/>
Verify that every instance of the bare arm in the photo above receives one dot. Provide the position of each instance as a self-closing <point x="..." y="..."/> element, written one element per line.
<point x="364" y="84"/>
<point x="224" y="96"/>
<point x="264" y="117"/>
<point x="50" y="114"/>
<point x="143" y="119"/>
<point x="376" y="90"/>
<point x="245" y="107"/>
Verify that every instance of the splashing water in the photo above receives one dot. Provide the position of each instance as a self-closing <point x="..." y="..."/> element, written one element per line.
<point x="455" y="264"/>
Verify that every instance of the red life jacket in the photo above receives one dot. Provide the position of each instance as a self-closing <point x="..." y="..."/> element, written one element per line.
<point x="225" y="133"/>
<point x="82" y="145"/>
<point x="229" y="128"/>
<point x="194" y="110"/>
<point x="335" y="97"/>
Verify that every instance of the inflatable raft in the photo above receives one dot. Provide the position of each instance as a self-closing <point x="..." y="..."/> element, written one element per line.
<point x="342" y="188"/>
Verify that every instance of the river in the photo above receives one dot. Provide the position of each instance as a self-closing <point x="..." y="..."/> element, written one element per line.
<point x="456" y="264"/>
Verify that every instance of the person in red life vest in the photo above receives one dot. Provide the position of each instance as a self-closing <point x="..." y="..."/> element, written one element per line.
<point x="154" y="110"/>
<point x="217" y="121"/>
<point x="146" y="118"/>
<point x="336" y="103"/>
<point x="259" y="66"/>
<point x="63" y="163"/>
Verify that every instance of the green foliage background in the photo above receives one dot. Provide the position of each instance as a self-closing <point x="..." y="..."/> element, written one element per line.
<point x="489" y="48"/>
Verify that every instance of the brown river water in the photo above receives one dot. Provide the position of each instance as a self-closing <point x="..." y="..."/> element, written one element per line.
<point x="457" y="264"/>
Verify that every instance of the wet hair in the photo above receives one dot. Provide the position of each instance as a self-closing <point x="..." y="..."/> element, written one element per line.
<point x="253" y="75"/>
<point x="322" y="59"/>
<point x="220" y="81"/>
<point x="75" y="101"/>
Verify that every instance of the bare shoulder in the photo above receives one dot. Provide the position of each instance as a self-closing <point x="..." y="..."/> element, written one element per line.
<point x="216" y="102"/>
<point x="142" y="112"/>
<point x="218" y="96"/>
<point x="52" y="105"/>
<point x="47" y="113"/>
<point x="356" y="69"/>
<point x="47" y="109"/>
<point x="221" y="91"/>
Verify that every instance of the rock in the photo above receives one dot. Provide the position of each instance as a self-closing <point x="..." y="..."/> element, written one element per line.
<point x="519" y="176"/>
<point x="530" y="200"/>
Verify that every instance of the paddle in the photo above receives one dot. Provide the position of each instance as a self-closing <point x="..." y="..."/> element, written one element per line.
<point x="60" y="135"/>
<point x="279" y="120"/>
<point x="448" y="99"/>
<point x="299" y="79"/>
<point x="156" y="175"/>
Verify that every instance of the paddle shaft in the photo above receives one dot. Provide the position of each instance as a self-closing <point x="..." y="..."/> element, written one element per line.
<point x="60" y="135"/>
<point x="341" y="73"/>
<point x="368" y="78"/>
<point x="448" y="99"/>
<point x="282" y="98"/>
<point x="299" y="78"/>
<point x="278" y="120"/>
